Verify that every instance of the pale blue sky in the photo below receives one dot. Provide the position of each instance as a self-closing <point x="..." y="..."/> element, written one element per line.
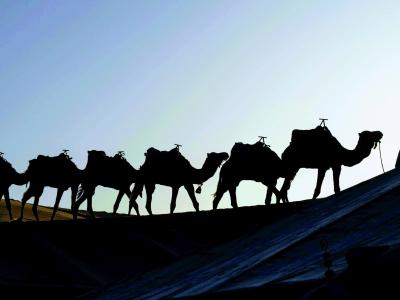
<point x="128" y="75"/>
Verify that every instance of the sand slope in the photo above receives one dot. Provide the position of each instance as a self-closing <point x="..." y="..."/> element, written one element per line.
<point x="44" y="212"/>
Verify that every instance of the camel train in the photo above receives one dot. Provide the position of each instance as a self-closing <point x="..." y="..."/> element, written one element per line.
<point x="315" y="148"/>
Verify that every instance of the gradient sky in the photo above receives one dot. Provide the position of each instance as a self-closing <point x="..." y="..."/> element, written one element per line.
<point x="129" y="75"/>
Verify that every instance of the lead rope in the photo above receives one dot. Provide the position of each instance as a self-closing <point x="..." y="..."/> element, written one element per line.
<point x="380" y="154"/>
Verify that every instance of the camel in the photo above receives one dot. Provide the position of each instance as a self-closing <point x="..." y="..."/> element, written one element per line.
<point x="170" y="168"/>
<point x="319" y="149"/>
<point x="255" y="162"/>
<point x="8" y="177"/>
<point x="112" y="172"/>
<point x="58" y="172"/>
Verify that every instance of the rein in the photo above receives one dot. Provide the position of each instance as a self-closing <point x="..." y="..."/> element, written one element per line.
<point x="380" y="155"/>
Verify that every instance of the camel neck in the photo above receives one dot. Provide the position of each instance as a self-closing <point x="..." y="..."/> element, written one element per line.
<point x="355" y="156"/>
<point x="207" y="171"/>
<point x="20" y="178"/>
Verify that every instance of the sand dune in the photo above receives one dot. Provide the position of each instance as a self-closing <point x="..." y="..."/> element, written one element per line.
<point x="44" y="212"/>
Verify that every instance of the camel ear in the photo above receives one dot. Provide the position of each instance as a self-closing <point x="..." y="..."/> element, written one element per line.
<point x="359" y="133"/>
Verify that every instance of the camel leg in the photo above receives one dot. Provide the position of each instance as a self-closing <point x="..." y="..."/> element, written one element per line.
<point x="221" y="190"/>
<point x="218" y="197"/>
<point x="283" y="193"/>
<point x="89" y="206"/>
<point x="36" y="203"/>
<point x="232" y="192"/>
<point x="149" y="195"/>
<point x="276" y="192"/>
<point x="8" y="202"/>
<point x="175" y="191"/>
<point x="58" y="199"/>
<point x="128" y="193"/>
<point x="87" y="191"/>
<point x="268" y="196"/>
<point x="336" y="175"/>
<point x="216" y="200"/>
<point x="29" y="193"/>
<point x="137" y="190"/>
<point x="74" y="193"/>
<point x="320" y="179"/>
<point x="190" y="190"/>
<point x="77" y="204"/>
<point x="117" y="201"/>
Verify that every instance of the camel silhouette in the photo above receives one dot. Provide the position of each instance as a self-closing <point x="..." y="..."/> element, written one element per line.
<point x="112" y="172"/>
<point x="58" y="172"/>
<point x="8" y="177"/>
<point x="255" y="162"/>
<point x="170" y="168"/>
<point x="319" y="149"/>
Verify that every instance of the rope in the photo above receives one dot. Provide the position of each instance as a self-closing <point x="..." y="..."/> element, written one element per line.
<point x="380" y="154"/>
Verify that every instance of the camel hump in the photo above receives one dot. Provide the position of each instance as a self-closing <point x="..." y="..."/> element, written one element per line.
<point x="4" y="163"/>
<point x="96" y="153"/>
<point x="241" y="149"/>
<point x="43" y="161"/>
<point x="152" y="151"/>
<point x="173" y="153"/>
<point x="309" y="136"/>
<point x="170" y="156"/>
<point x="6" y="168"/>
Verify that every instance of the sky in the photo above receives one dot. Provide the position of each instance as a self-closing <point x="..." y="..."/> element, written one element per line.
<point x="129" y="75"/>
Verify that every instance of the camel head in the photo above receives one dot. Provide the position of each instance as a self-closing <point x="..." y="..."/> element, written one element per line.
<point x="210" y="166"/>
<point x="215" y="158"/>
<point x="370" y="139"/>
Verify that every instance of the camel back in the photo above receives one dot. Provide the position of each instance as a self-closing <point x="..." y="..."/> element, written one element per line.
<point x="6" y="168"/>
<point x="50" y="163"/>
<point x="4" y="164"/>
<point x="311" y="137"/>
<point x="98" y="160"/>
<point x="172" y="156"/>
<point x="257" y="149"/>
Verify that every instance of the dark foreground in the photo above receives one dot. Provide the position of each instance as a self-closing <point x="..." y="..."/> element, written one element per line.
<point x="252" y="252"/>
<point x="66" y="258"/>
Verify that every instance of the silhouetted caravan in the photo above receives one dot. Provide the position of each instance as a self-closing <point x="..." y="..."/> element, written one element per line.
<point x="8" y="177"/>
<point x="170" y="168"/>
<point x="319" y="149"/>
<point x="255" y="162"/>
<point x="113" y="172"/>
<point x="58" y="172"/>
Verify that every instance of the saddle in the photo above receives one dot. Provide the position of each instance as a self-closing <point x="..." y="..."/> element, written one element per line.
<point x="171" y="156"/>
<point x="119" y="156"/>
<point x="241" y="149"/>
<point x="98" y="161"/>
<point x="318" y="135"/>
<point x="53" y="159"/>
<point x="44" y="163"/>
